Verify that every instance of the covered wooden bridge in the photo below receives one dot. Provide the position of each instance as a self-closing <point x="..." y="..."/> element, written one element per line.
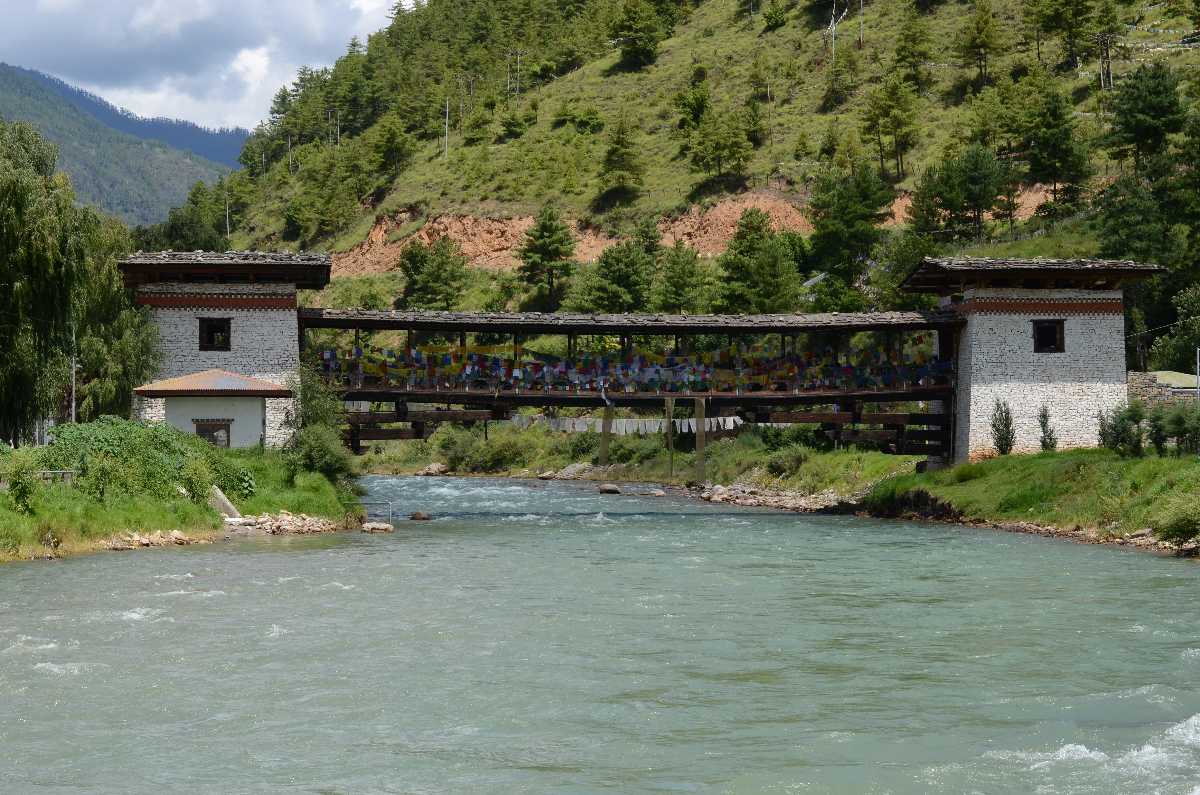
<point x="796" y="368"/>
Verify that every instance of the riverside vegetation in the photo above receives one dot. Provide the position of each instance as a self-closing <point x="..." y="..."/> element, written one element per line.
<point x="132" y="477"/>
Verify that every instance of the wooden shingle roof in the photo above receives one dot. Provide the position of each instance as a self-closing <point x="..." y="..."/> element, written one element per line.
<point x="940" y="274"/>
<point x="575" y="323"/>
<point x="307" y="271"/>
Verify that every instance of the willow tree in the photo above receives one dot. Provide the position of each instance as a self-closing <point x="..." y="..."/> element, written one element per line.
<point x="43" y="243"/>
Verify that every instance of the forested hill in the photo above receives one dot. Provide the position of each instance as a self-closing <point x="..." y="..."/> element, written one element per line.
<point x="718" y="95"/>
<point x="221" y="145"/>
<point x="132" y="178"/>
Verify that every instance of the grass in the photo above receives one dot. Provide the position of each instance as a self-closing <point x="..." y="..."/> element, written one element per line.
<point x="66" y="520"/>
<point x="531" y="451"/>
<point x="1093" y="489"/>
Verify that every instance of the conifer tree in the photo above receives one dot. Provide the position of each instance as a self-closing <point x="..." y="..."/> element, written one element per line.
<point x="980" y="40"/>
<point x="622" y="168"/>
<point x="846" y="210"/>
<point x="638" y="32"/>
<point x="1070" y="19"/>
<point x="1056" y="153"/>
<point x="546" y="255"/>
<point x="1146" y="110"/>
<point x="1035" y="15"/>
<point x="619" y="282"/>
<point x="981" y="178"/>
<point x="1107" y="34"/>
<point x="433" y="275"/>
<point x="775" y="15"/>
<point x="720" y="146"/>
<point x="677" y="286"/>
<point x="913" y="47"/>
<point x="759" y="272"/>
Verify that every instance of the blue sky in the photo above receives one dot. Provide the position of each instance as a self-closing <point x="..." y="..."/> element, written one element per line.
<point x="215" y="62"/>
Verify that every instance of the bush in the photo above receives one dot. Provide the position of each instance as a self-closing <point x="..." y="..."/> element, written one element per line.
<point x="810" y="436"/>
<point x="1004" y="435"/>
<point x="1157" y="427"/>
<point x="1176" y="520"/>
<point x="1121" y="430"/>
<point x="196" y="479"/>
<point x="1049" y="437"/>
<point x="581" y="446"/>
<point x="455" y="446"/>
<point x="788" y="460"/>
<point x="318" y="448"/>
<point x="24" y="482"/>
<point x="633" y="449"/>
<point x="231" y="477"/>
<point x="100" y="475"/>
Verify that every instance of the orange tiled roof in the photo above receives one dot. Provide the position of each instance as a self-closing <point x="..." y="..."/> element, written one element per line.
<point x="213" y="383"/>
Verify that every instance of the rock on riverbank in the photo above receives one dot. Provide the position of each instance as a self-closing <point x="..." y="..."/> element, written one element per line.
<point x="158" y="539"/>
<point x="280" y="524"/>
<point x="755" y="496"/>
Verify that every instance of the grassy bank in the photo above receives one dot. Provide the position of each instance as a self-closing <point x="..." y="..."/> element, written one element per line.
<point x="1092" y="489"/>
<point x="130" y="478"/>
<point x="790" y="460"/>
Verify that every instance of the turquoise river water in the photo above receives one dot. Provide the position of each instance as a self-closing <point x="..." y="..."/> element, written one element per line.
<point x="541" y="638"/>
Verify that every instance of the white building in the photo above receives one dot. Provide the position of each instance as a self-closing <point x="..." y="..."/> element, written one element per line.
<point x="1037" y="333"/>
<point x="229" y="340"/>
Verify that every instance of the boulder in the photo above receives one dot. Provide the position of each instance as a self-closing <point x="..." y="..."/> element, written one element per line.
<point x="221" y="504"/>
<point x="547" y="475"/>
<point x="574" y="471"/>
<point x="420" y="516"/>
<point x="656" y="493"/>
<point x="377" y="527"/>
<point x="433" y="470"/>
<point x="609" y="488"/>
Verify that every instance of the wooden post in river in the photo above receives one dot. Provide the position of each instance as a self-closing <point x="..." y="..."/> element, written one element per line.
<point x="670" y="427"/>
<point x="700" y="422"/>
<point x="605" y="434"/>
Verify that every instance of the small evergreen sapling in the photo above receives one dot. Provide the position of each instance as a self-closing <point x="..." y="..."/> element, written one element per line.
<point x="1049" y="437"/>
<point x="1004" y="434"/>
<point x="1158" y="430"/>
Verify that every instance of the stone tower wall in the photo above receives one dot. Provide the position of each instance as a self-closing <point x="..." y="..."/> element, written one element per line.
<point x="997" y="361"/>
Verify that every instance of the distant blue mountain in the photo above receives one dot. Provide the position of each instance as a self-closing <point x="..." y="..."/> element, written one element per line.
<point x="221" y="145"/>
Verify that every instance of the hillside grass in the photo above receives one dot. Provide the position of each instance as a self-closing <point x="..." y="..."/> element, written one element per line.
<point x="1091" y="489"/>
<point x="545" y="164"/>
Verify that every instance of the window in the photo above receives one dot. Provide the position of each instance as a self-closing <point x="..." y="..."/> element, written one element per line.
<point x="214" y="333"/>
<point x="215" y="432"/>
<point x="1048" y="336"/>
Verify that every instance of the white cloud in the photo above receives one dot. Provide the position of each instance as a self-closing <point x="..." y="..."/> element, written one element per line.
<point x="216" y="62"/>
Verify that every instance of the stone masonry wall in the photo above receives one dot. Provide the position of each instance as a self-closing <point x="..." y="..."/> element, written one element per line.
<point x="264" y="344"/>
<point x="997" y="362"/>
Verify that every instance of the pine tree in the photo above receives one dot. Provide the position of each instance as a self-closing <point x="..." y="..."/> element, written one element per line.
<point x="720" y="146"/>
<point x="913" y="47"/>
<point x="759" y="272"/>
<point x="393" y="147"/>
<point x="846" y="210"/>
<point x="890" y="119"/>
<point x="433" y="275"/>
<point x="622" y="168"/>
<point x="980" y="40"/>
<point x="546" y="255"/>
<point x="775" y="15"/>
<point x="1004" y="433"/>
<point x="677" y="287"/>
<point x="1070" y="19"/>
<point x="1056" y="153"/>
<point x="1146" y="110"/>
<point x="638" y="32"/>
<point x="1035" y="15"/>
<point x="981" y="178"/>
<point x="1107" y="34"/>
<point x="1049" y="438"/>
<point x="619" y="282"/>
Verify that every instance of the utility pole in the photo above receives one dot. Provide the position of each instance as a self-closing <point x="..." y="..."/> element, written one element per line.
<point x="446" y="152"/>
<point x="860" y="24"/>
<point x="72" y="372"/>
<point x="1198" y="374"/>
<point x="227" y="213"/>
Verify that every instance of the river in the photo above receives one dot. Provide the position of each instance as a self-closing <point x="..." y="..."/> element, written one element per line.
<point x="542" y="638"/>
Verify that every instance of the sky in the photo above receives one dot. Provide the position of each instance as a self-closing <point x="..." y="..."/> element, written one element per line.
<point x="214" y="62"/>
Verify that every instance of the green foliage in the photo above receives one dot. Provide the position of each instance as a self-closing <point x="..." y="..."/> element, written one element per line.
<point x="1049" y="439"/>
<point x="637" y="33"/>
<point x="196" y="479"/>
<point x="622" y="168"/>
<point x="433" y="275"/>
<point x="1057" y="154"/>
<point x="546" y="257"/>
<point x="1156" y="427"/>
<point x="719" y="146"/>
<point x="1004" y="434"/>
<point x="759" y="269"/>
<point x="619" y="282"/>
<point x="318" y="448"/>
<point x="787" y="460"/>
<point x="890" y="119"/>
<point x="21" y="474"/>
<point x="1146" y="110"/>
<point x="980" y="40"/>
<point x="678" y="285"/>
<point x="318" y="402"/>
<point x="774" y="15"/>
<point x="1121" y="430"/>
<point x="914" y="49"/>
<point x="1176" y="519"/>
<point x="846" y="209"/>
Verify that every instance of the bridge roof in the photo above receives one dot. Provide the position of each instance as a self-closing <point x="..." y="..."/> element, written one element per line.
<point x="942" y="274"/>
<point x="566" y="323"/>
<point x="307" y="271"/>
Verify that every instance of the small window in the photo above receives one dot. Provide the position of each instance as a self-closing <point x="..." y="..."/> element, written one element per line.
<point x="214" y="333"/>
<point x="1048" y="336"/>
<point x="215" y="432"/>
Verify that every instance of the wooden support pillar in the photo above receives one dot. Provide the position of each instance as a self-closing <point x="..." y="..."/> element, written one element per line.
<point x="700" y="433"/>
<point x="670" y="429"/>
<point x="605" y="434"/>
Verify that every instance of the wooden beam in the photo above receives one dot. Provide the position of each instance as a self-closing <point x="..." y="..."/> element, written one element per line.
<point x="700" y="432"/>
<point x="442" y="415"/>
<point x="904" y="419"/>
<point x="605" y="434"/>
<point x="869" y="436"/>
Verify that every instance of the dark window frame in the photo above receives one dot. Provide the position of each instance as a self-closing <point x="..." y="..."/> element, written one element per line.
<point x="216" y="334"/>
<point x="208" y="430"/>
<point x="1041" y="331"/>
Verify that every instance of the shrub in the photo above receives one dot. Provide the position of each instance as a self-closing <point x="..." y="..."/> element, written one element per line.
<point x="1176" y="520"/>
<point x="318" y="448"/>
<point x="787" y="460"/>
<point x="581" y="446"/>
<point x="633" y="449"/>
<point x="1004" y="435"/>
<point x="24" y="482"/>
<point x="1049" y="437"/>
<point x="1121" y="430"/>
<point x="230" y="476"/>
<point x="967" y="472"/>
<point x="1157" y="430"/>
<point x="496" y="455"/>
<point x="100" y="475"/>
<point x="455" y="446"/>
<point x="810" y="436"/>
<point x="196" y="479"/>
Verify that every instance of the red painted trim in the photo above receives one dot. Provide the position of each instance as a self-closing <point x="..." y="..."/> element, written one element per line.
<point x="175" y="301"/>
<point x="1017" y="306"/>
